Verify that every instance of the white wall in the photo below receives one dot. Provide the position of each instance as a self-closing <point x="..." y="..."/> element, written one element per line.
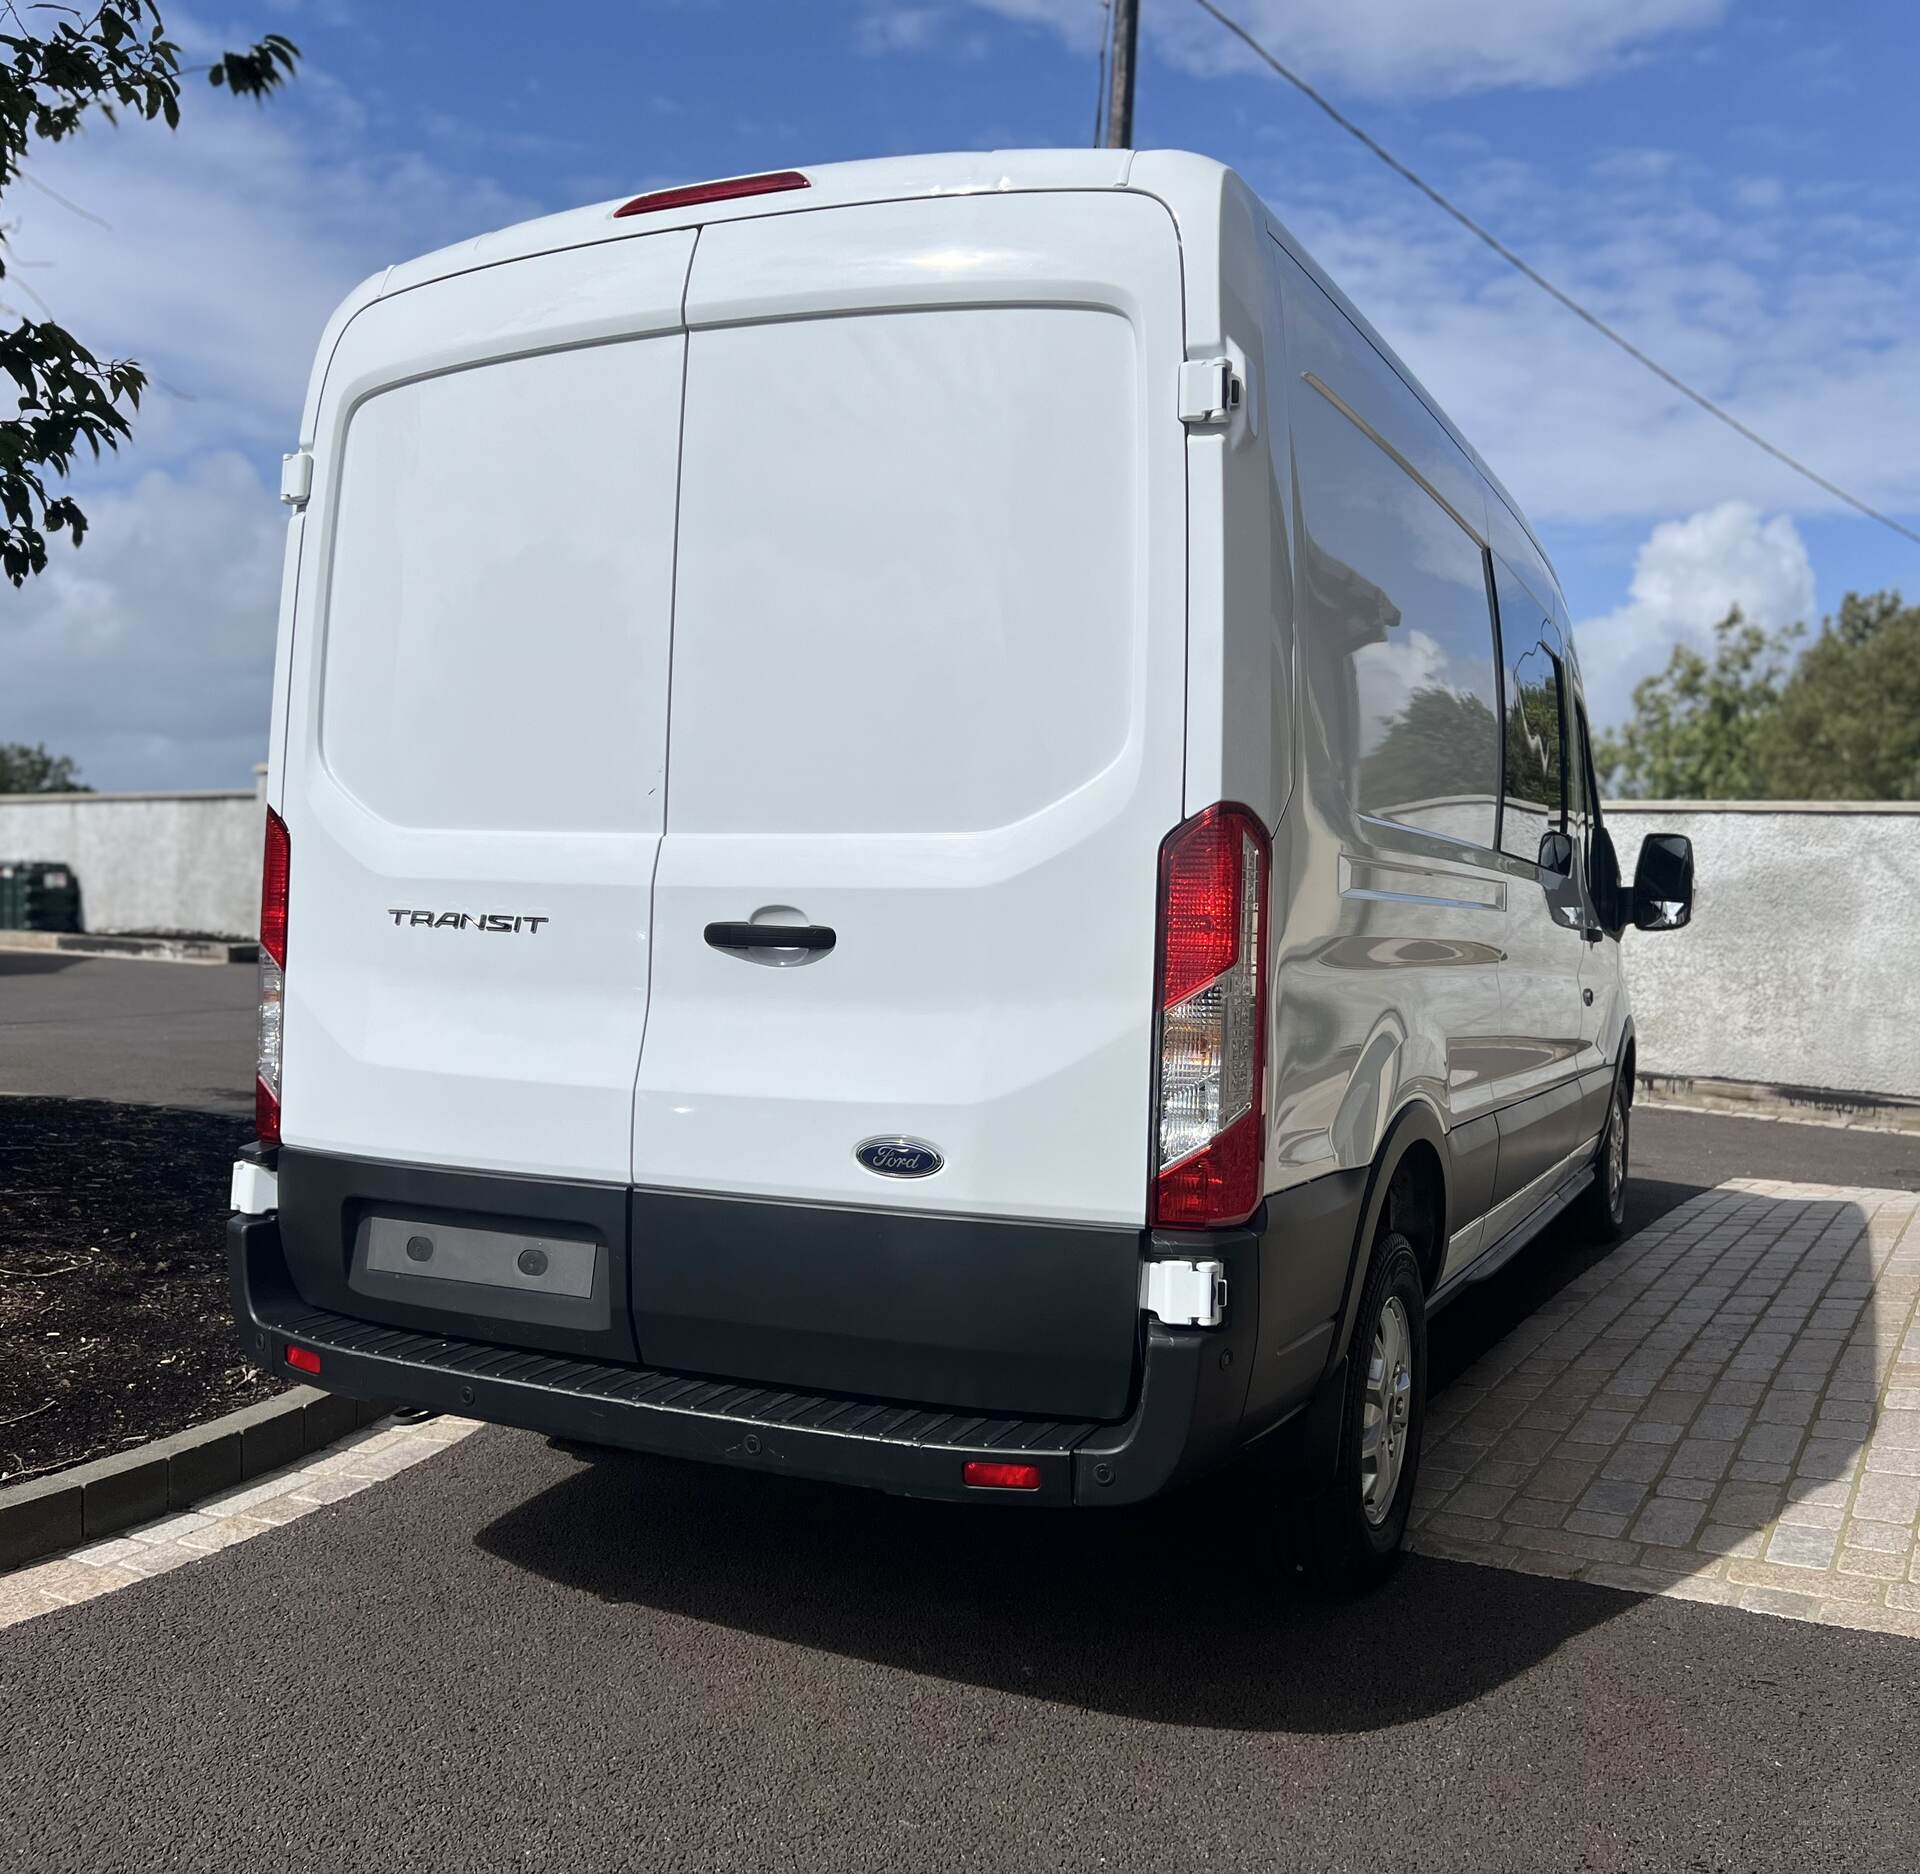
<point x="1802" y="964"/>
<point x="1801" y="967"/>
<point x="185" y="862"/>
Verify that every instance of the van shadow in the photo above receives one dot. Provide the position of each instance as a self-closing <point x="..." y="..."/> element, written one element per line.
<point x="1166" y="1613"/>
<point x="38" y="962"/>
<point x="1174" y="1612"/>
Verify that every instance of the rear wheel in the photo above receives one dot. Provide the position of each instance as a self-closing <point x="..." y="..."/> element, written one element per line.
<point x="1603" y="1204"/>
<point x="1358" y="1524"/>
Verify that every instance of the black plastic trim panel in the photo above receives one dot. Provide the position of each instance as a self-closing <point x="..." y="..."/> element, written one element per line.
<point x="913" y="1450"/>
<point x="990" y="1313"/>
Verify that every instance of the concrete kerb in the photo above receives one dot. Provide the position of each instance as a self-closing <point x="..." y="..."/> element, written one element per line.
<point x="146" y="949"/>
<point x="48" y="1515"/>
<point x="1810" y="1106"/>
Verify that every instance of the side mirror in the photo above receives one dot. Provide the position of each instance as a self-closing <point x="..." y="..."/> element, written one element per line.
<point x="1663" y="882"/>
<point x="1556" y="853"/>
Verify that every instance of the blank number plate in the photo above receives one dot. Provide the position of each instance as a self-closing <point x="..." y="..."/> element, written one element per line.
<point x="450" y="1252"/>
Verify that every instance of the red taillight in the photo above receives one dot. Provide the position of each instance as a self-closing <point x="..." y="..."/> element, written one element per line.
<point x="274" y="869"/>
<point x="1200" y="898"/>
<point x="979" y="1475"/>
<point x="266" y="1113"/>
<point x="1209" y="1144"/>
<point x="304" y="1359"/>
<point x="695" y="194"/>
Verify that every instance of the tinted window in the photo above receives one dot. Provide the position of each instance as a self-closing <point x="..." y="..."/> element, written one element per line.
<point x="1603" y="866"/>
<point x="1581" y="805"/>
<point x="1398" y="636"/>
<point x="1536" y="800"/>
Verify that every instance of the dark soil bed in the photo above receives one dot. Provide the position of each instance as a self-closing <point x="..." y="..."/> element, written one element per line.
<point x="115" y="1325"/>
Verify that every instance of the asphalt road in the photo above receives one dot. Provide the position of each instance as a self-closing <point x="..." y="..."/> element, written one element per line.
<point x="508" y="1658"/>
<point x="154" y="1034"/>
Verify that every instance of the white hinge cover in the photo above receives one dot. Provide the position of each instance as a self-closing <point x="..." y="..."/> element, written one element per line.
<point x="1185" y="1294"/>
<point x="296" y="478"/>
<point x="255" y="1189"/>
<point x="1209" y="390"/>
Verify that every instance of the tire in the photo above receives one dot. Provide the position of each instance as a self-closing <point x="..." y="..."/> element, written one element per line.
<point x="1602" y="1206"/>
<point x="1357" y="1525"/>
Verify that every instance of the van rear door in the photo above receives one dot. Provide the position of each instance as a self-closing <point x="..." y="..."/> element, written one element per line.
<point x="476" y="755"/>
<point x="928" y="695"/>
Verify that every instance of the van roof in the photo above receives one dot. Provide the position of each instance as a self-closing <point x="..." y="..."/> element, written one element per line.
<point x="829" y="185"/>
<point x="1189" y="185"/>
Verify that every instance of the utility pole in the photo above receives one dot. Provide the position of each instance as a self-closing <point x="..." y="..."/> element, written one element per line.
<point x="1126" y="50"/>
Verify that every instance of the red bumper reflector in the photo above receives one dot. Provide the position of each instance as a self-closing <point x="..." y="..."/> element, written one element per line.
<point x="700" y="193"/>
<point x="304" y="1359"/>
<point x="981" y="1476"/>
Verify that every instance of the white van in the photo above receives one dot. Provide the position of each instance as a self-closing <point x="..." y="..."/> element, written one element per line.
<point x="929" y="828"/>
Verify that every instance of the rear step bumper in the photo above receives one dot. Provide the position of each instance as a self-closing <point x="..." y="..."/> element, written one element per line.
<point x="1181" y="1424"/>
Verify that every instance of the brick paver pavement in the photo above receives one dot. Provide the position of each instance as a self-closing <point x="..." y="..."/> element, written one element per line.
<point x="1725" y="1409"/>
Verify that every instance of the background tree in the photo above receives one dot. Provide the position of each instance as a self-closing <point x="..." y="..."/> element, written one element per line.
<point x="1691" y="733"/>
<point x="1847" y="726"/>
<point x="58" y="65"/>
<point x="1751" y="723"/>
<point x="25" y="770"/>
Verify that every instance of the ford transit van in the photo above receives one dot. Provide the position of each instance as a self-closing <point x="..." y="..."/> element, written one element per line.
<point x="929" y="828"/>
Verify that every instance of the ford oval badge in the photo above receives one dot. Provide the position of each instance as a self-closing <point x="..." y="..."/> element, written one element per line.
<point x="899" y="1158"/>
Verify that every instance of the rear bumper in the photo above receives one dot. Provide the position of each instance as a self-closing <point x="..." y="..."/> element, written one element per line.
<point x="1185" y="1420"/>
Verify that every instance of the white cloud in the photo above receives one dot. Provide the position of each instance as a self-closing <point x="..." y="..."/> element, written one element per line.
<point x="148" y="654"/>
<point x="214" y="254"/>
<point x="1687" y="576"/>
<point x="1805" y="332"/>
<point x="1398" y="46"/>
<point x="893" y="28"/>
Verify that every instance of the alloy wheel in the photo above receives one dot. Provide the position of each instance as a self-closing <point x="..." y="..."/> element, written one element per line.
<point x="1617" y="1159"/>
<point x="1386" y="1411"/>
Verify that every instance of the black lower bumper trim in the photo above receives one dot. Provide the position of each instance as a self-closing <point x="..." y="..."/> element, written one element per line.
<point x="911" y="1450"/>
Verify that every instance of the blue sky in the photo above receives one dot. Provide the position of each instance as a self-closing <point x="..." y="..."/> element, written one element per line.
<point x="1734" y="183"/>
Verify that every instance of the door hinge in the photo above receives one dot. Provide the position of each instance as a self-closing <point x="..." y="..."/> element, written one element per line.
<point x="1185" y="1294"/>
<point x="1209" y="390"/>
<point x="296" y="478"/>
<point x="253" y="1189"/>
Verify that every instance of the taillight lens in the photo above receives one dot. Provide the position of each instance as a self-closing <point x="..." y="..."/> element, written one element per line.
<point x="274" y="869"/>
<point x="1213" y="994"/>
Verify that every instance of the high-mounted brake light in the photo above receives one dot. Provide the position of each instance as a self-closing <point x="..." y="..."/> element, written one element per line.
<point x="698" y="193"/>
<point x="275" y="867"/>
<point x="1209" y="1146"/>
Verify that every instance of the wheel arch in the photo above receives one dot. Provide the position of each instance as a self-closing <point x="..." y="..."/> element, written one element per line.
<point x="1412" y="1169"/>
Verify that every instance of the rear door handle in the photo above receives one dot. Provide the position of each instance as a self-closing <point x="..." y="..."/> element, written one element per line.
<point x="770" y="936"/>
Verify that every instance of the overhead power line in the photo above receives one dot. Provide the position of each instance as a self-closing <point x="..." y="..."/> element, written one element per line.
<point x="1579" y="311"/>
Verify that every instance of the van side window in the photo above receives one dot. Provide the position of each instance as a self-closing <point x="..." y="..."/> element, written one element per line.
<point x="1603" y="864"/>
<point x="1536" y="777"/>
<point x="1574" y="721"/>
<point x="1397" y="635"/>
